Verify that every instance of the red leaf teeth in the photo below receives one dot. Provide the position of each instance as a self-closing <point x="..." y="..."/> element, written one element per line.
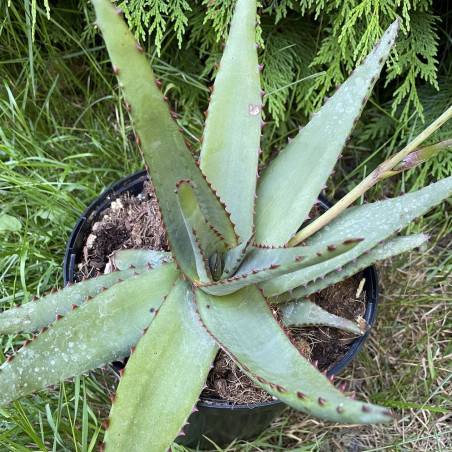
<point x="347" y="242"/>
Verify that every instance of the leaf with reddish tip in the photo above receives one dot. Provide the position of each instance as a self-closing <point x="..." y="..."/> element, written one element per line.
<point x="291" y="183"/>
<point x="163" y="378"/>
<point x="34" y="315"/>
<point x="123" y="259"/>
<point x="307" y="313"/>
<point x="96" y="333"/>
<point x="375" y="222"/>
<point x="393" y="247"/>
<point x="262" y="264"/>
<point x="229" y="152"/>
<point x="163" y="146"/>
<point x="245" y="328"/>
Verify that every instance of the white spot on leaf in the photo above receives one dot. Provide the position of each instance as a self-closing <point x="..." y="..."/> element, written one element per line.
<point x="254" y="110"/>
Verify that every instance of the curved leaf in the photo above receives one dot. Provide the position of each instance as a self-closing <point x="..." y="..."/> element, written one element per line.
<point x="205" y="240"/>
<point x="234" y="257"/>
<point x="262" y="264"/>
<point x="390" y="248"/>
<point x="163" y="378"/>
<point x="375" y="222"/>
<point x="307" y="313"/>
<point x="98" y="332"/>
<point x="167" y="158"/>
<point x="289" y="186"/>
<point x="244" y="326"/>
<point x="33" y="316"/>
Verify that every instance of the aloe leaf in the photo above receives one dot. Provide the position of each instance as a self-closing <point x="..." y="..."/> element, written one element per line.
<point x="307" y="313"/>
<point x="245" y="328"/>
<point x="207" y="242"/>
<point x="210" y="239"/>
<point x="261" y="264"/>
<point x="393" y="247"/>
<point x="230" y="148"/>
<point x="167" y="158"/>
<point x="163" y="378"/>
<point x="375" y="222"/>
<point x="124" y="259"/>
<point x="98" y="332"/>
<point x="234" y="257"/>
<point x="259" y="257"/>
<point x="33" y="316"/>
<point x="291" y="183"/>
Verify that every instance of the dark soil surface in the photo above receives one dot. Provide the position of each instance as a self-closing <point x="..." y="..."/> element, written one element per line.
<point x="129" y="222"/>
<point x="134" y="222"/>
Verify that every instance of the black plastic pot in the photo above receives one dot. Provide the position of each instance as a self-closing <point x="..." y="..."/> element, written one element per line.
<point x="221" y="422"/>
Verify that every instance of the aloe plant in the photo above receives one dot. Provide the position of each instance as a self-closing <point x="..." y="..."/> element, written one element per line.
<point x="233" y="237"/>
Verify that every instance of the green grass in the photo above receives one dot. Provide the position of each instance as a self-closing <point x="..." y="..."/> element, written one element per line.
<point x="64" y="137"/>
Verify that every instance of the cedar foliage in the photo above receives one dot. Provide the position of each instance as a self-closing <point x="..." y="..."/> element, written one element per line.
<point x="307" y="48"/>
<point x="332" y="35"/>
